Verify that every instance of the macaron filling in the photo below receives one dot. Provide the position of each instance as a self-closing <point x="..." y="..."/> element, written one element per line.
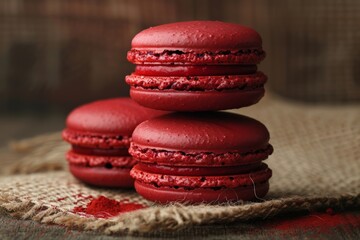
<point x="201" y="190"/>
<point x="99" y="161"/>
<point x="194" y="70"/>
<point x="163" y="56"/>
<point x="180" y="158"/>
<point x="100" y="151"/>
<point x="198" y="83"/>
<point x="93" y="140"/>
<point x="227" y="181"/>
<point x="198" y="171"/>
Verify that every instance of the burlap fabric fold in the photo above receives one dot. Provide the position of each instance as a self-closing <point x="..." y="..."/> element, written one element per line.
<point x="316" y="165"/>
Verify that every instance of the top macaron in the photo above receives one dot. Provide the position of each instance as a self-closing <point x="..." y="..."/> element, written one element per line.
<point x="197" y="42"/>
<point x="196" y="66"/>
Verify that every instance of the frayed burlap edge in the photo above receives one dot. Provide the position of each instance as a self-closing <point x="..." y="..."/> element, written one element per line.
<point x="172" y="217"/>
<point x="41" y="153"/>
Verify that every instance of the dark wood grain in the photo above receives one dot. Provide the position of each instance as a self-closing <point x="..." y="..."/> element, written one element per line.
<point x="11" y="228"/>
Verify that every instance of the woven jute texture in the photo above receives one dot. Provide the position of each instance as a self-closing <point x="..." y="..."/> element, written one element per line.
<point x="316" y="165"/>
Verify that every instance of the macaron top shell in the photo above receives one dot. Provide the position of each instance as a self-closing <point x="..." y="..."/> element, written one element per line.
<point x="197" y="43"/>
<point x="217" y="132"/>
<point x="199" y="35"/>
<point x="110" y="117"/>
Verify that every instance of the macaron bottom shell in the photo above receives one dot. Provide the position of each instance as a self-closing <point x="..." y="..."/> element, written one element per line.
<point x="201" y="195"/>
<point x="102" y="176"/>
<point x="198" y="170"/>
<point x="172" y="100"/>
<point x="181" y="159"/>
<point x="154" y="186"/>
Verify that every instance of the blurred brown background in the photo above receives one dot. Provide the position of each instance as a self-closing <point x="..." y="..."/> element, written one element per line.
<point x="56" y="54"/>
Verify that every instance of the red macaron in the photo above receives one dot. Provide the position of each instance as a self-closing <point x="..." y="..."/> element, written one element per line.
<point x="196" y="66"/>
<point x="100" y="134"/>
<point x="201" y="157"/>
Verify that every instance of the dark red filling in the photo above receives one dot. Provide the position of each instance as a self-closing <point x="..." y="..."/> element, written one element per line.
<point x="243" y="56"/>
<point x="180" y="158"/>
<point x="100" y="151"/>
<point x="196" y="70"/>
<point x="198" y="171"/>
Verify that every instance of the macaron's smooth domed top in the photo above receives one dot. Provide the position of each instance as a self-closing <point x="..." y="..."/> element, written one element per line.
<point x="217" y="132"/>
<point x="198" y="35"/>
<point x="117" y="116"/>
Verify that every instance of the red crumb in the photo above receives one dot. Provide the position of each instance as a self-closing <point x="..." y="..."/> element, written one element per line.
<point x="61" y="199"/>
<point x="80" y="195"/>
<point x="103" y="207"/>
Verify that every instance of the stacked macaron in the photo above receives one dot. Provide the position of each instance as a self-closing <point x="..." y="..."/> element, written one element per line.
<point x="201" y="157"/>
<point x="197" y="156"/>
<point x="100" y="134"/>
<point x="196" y="66"/>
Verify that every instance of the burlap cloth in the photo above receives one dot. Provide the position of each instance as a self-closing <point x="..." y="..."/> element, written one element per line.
<point x="316" y="164"/>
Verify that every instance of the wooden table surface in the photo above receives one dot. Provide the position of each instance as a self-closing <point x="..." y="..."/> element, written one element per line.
<point x="326" y="225"/>
<point x="278" y="228"/>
